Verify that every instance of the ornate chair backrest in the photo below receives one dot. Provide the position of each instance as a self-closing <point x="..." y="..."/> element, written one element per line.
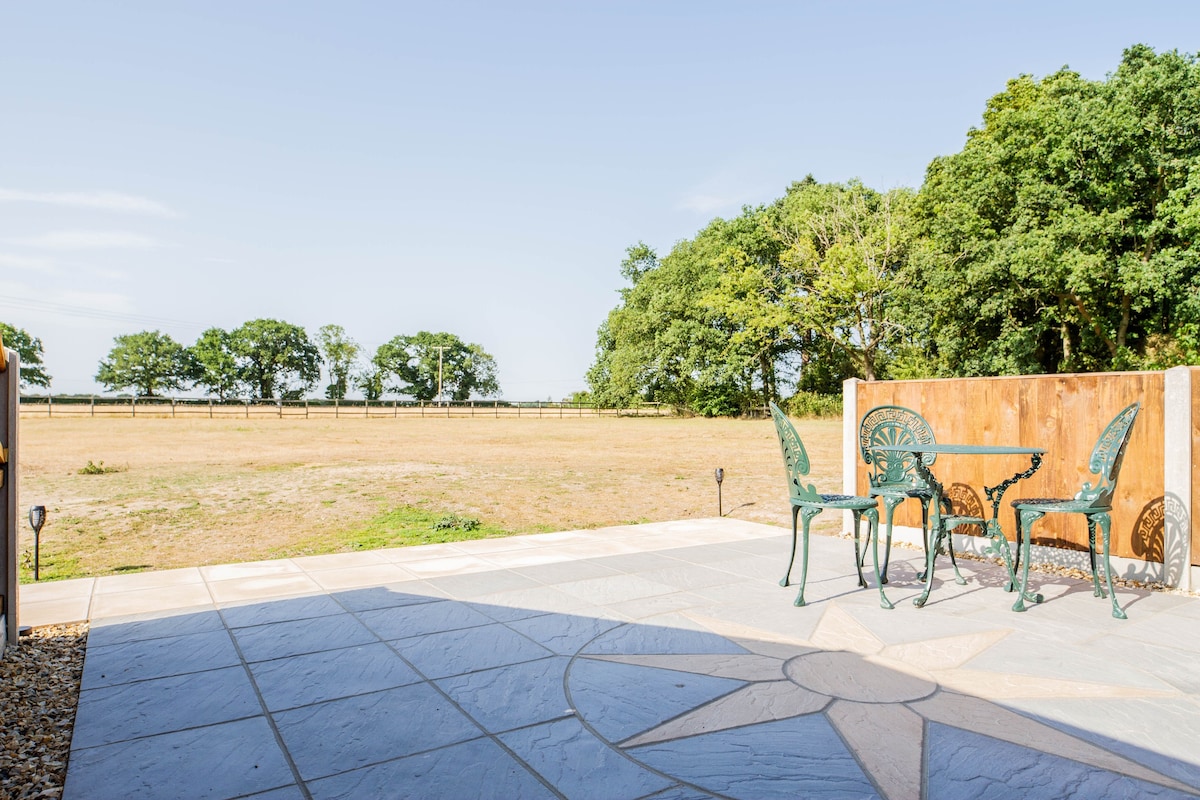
<point x="795" y="458"/>
<point x="1106" y="459"/>
<point x="894" y="425"/>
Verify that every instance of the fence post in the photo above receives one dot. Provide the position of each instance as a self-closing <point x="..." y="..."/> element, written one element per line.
<point x="49" y="405"/>
<point x="849" y="445"/>
<point x="10" y="399"/>
<point x="133" y="406"/>
<point x="172" y="408"/>
<point x="1177" y="478"/>
<point x="210" y="408"/>
<point x="247" y="409"/>
<point x="335" y="408"/>
<point x="93" y="405"/>
<point x="306" y="408"/>
<point x="395" y="409"/>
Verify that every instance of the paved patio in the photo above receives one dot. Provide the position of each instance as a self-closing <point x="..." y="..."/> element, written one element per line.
<point x="652" y="661"/>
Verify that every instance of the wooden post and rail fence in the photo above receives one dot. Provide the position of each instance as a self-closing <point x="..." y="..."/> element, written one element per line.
<point x="1159" y="487"/>
<point x="101" y="406"/>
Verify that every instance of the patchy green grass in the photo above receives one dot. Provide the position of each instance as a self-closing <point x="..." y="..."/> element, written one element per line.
<point x="398" y="527"/>
<point x="98" y="469"/>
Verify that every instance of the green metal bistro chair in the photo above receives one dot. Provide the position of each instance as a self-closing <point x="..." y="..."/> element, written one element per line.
<point x="1093" y="500"/>
<point x="807" y="503"/>
<point x="895" y="478"/>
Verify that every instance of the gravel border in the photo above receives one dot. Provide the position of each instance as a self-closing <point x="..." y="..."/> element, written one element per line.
<point x="39" y="692"/>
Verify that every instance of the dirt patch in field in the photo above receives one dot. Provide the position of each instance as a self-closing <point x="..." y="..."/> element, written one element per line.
<point x="190" y="492"/>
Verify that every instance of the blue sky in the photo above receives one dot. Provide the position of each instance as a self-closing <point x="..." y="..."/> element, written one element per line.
<point x="475" y="167"/>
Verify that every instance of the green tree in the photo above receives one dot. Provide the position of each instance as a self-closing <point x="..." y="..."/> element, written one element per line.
<point x="701" y="328"/>
<point x="274" y="358"/>
<point x="420" y="361"/>
<point x="845" y="245"/>
<point x="214" y="365"/>
<point x="1063" y="237"/>
<point x="29" y="349"/>
<point x="340" y="352"/>
<point x="150" y="362"/>
<point x="370" y="382"/>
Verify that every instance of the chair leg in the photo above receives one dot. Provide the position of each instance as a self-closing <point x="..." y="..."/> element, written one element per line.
<point x="958" y="578"/>
<point x="806" y="515"/>
<point x="858" y="562"/>
<point x="924" y="533"/>
<point x="1026" y="520"/>
<point x="1096" y="590"/>
<point x="931" y="545"/>
<point x="889" y="506"/>
<point x="792" y="558"/>
<point x="872" y="516"/>
<point x="1105" y="523"/>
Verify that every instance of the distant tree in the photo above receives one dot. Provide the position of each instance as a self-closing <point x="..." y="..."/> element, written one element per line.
<point x="150" y="362"/>
<point x="275" y="358"/>
<point x="29" y="348"/>
<point x="465" y="369"/>
<point x="370" y="382"/>
<point x="214" y="365"/>
<point x="340" y="353"/>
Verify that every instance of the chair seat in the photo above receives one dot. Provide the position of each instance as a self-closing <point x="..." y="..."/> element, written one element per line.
<point x="848" y="502"/>
<point x="1051" y="505"/>
<point x="901" y="491"/>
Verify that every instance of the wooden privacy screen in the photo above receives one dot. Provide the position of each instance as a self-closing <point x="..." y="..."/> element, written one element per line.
<point x="1063" y="414"/>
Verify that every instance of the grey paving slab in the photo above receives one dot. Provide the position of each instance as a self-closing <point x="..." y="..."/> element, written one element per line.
<point x="132" y="710"/>
<point x="440" y="655"/>
<point x="966" y="764"/>
<point x="290" y="609"/>
<point x="327" y="675"/>
<point x="342" y="735"/>
<point x="157" y="658"/>
<point x="214" y="762"/>
<point x="476" y="769"/>
<point x="578" y="764"/>
<point x="564" y="634"/>
<point x="619" y="664"/>
<point x="388" y="596"/>
<point x="139" y="627"/>
<point x="282" y="639"/>
<point x="421" y="619"/>
<point x="791" y="758"/>
<point x="622" y="700"/>
<point x="514" y="696"/>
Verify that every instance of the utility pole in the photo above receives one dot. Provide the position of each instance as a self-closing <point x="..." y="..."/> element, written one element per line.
<point x="440" y="349"/>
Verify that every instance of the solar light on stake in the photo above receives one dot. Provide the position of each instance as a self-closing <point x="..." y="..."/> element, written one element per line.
<point x="37" y="518"/>
<point x="720" y="475"/>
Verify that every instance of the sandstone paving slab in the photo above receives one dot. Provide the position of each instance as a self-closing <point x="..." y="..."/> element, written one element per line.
<point x="564" y="634"/>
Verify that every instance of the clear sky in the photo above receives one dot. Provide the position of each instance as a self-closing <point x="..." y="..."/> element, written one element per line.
<point x="473" y="167"/>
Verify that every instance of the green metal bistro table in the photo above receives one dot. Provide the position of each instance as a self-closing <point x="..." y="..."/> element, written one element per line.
<point x="991" y="527"/>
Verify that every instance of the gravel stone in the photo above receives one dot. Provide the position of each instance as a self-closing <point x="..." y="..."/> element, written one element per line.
<point x="39" y="692"/>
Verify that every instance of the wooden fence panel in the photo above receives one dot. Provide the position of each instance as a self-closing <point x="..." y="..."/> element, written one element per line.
<point x="1063" y="414"/>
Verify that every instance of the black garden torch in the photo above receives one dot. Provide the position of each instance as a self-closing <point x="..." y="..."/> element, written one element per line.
<point x="37" y="518"/>
<point x="720" y="476"/>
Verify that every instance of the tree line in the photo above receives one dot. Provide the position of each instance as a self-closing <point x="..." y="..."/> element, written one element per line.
<point x="1064" y="237"/>
<point x="272" y="359"/>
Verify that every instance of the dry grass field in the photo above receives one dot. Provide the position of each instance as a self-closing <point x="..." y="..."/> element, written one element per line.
<point x="183" y="492"/>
